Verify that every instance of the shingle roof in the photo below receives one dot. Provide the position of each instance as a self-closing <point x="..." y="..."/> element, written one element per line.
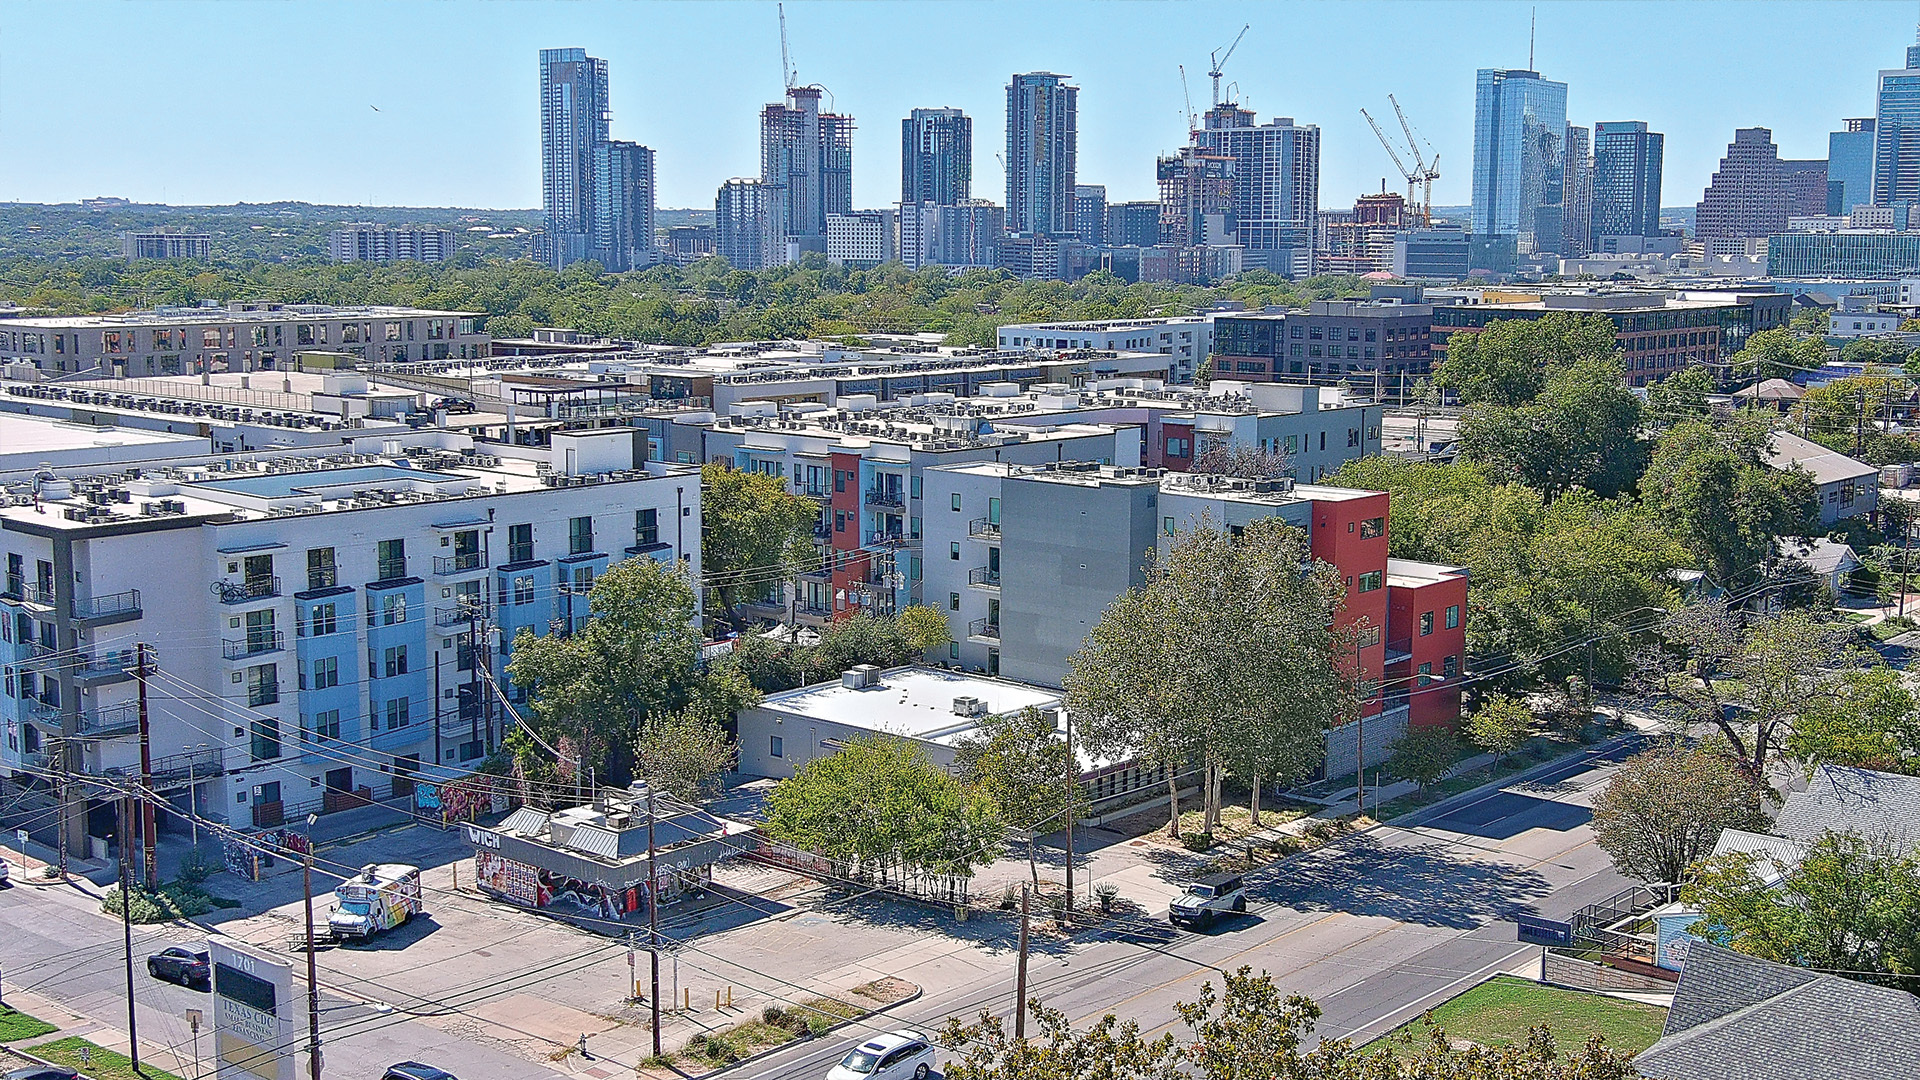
<point x="1786" y="450"/>
<point x="1820" y="555"/>
<point x="1879" y="807"/>
<point x="1738" y="1018"/>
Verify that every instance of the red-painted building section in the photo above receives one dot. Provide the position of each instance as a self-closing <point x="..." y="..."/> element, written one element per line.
<point x="1427" y="642"/>
<point x="1351" y="533"/>
<point x="848" y="568"/>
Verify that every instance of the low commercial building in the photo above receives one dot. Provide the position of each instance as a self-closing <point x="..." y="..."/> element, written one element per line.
<point x="1187" y="340"/>
<point x="1846" y="488"/>
<point x="238" y="337"/>
<point x="603" y="860"/>
<point x="1849" y="253"/>
<point x="1333" y="340"/>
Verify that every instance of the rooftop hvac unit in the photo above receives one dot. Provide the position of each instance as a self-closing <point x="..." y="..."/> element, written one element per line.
<point x="860" y="677"/>
<point x="969" y="706"/>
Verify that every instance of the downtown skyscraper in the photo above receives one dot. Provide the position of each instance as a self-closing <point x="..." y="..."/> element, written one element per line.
<point x="1627" y="163"/>
<point x="936" y="157"/>
<point x="1043" y="144"/>
<point x="1896" y="134"/>
<point x="597" y="194"/>
<point x="806" y="165"/>
<point x="1275" y="185"/>
<point x="1519" y="158"/>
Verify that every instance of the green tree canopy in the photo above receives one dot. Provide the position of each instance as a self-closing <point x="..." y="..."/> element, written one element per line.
<point x="1022" y="762"/>
<point x="1501" y="725"/>
<point x="1665" y="809"/>
<point x="1870" y="722"/>
<point x="1582" y="429"/>
<point x="683" y="754"/>
<point x="754" y="533"/>
<point x="1778" y="354"/>
<point x="1680" y="396"/>
<point x="1507" y="363"/>
<point x="1424" y="754"/>
<point x="1712" y="488"/>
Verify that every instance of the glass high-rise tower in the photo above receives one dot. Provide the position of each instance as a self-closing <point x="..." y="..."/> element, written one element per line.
<point x="1627" y="161"/>
<point x="936" y="157"/>
<point x="1896" y="134"/>
<point x="1519" y="157"/>
<point x="1043" y="143"/>
<point x="574" y="120"/>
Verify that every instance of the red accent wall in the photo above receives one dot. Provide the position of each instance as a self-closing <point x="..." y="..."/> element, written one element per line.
<point x="850" y="560"/>
<point x="1157" y="456"/>
<point x="1438" y="702"/>
<point x="1336" y="539"/>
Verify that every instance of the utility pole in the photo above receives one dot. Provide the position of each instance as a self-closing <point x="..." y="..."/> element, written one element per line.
<point x="126" y="924"/>
<point x="653" y="923"/>
<point x="143" y="654"/>
<point x="313" y="979"/>
<point x="1019" y="979"/>
<point x="1073" y="807"/>
<point x="1360" y="730"/>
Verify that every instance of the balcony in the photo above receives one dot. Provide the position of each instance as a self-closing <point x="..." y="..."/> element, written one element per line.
<point x="112" y="608"/>
<point x="887" y="497"/>
<point x="984" y="577"/>
<point x="1400" y="651"/>
<point x="887" y="539"/>
<point x="109" y="667"/>
<point x="240" y="592"/>
<point x="254" y="644"/>
<point x="820" y="571"/>
<point x="983" y="529"/>
<point x="322" y="577"/>
<point x="461" y="614"/>
<point x="982" y="630"/>
<point x="813" y="491"/>
<point x="822" y="531"/>
<point x="460" y="563"/>
<point x="111" y="720"/>
<point x="38" y="595"/>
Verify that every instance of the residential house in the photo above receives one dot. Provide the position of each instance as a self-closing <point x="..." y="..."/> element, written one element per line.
<point x="1847" y="488"/>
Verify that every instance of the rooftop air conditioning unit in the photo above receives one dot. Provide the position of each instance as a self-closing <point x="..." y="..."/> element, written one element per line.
<point x="969" y="706"/>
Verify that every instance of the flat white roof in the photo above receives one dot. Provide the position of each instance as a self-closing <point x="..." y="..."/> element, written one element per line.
<point x="23" y="435"/>
<point x="912" y="702"/>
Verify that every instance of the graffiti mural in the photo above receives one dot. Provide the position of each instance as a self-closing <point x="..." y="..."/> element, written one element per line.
<point x="516" y="881"/>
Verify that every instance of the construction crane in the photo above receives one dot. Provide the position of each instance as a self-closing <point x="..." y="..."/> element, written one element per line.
<point x="1193" y="122"/>
<point x="1424" y="172"/>
<point x="1422" y="175"/>
<point x="1220" y="61"/>
<point x="786" y="59"/>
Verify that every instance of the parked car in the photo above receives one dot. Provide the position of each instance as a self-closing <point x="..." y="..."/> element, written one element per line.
<point x="897" y="1055"/>
<point x="43" y="1072"/>
<point x="414" y="1070"/>
<point x="6" y="874"/>
<point x="1207" y="898"/>
<point x="455" y="405"/>
<point x="188" y="967"/>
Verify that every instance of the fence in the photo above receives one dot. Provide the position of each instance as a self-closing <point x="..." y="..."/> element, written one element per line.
<point x="909" y="881"/>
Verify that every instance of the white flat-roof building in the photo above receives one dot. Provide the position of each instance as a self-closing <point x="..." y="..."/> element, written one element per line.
<point x="30" y="442"/>
<point x="1188" y="340"/>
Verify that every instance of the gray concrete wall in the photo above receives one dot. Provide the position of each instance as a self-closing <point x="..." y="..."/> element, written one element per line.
<point x="1343" y="742"/>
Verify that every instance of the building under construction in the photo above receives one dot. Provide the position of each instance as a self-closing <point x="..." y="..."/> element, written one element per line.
<point x="1361" y="242"/>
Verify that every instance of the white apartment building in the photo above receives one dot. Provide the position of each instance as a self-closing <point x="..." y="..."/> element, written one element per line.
<point x="310" y="614"/>
<point x="390" y="243"/>
<point x="863" y="238"/>
<point x="239" y="337"/>
<point x="1188" y="341"/>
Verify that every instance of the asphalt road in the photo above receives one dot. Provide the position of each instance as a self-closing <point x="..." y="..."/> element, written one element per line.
<point x="1376" y="928"/>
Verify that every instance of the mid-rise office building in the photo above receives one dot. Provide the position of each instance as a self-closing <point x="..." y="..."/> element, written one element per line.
<point x="1850" y="167"/>
<point x="1748" y="195"/>
<point x="162" y="244"/>
<point x="968" y="234"/>
<point x="1090" y="213"/>
<point x="936" y="157"/>
<point x="575" y="115"/>
<point x="1133" y="224"/>
<point x="742" y="230"/>
<point x="685" y="243"/>
<point x="1186" y="340"/>
<point x="1333" y="340"/>
<point x="1806" y="184"/>
<point x="320" y="620"/>
<point x="1519" y="158"/>
<point x="863" y="238"/>
<point x="1437" y="253"/>
<point x="390" y="243"/>
<point x="623" y="206"/>
<point x="1276" y="184"/>
<point x="239" y="337"/>
<point x="1846" y="254"/>
<point x="1896" y="134"/>
<point x="1043" y="147"/>
<point x="806" y="166"/>
<point x="1627" y="164"/>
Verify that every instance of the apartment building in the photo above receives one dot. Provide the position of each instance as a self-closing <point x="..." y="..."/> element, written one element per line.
<point x="238" y="337"/>
<point x="390" y="243"/>
<point x="315" y="617"/>
<point x="163" y="244"/>
<point x="866" y="466"/>
<point x="1034" y="554"/>
<point x="1187" y="340"/>
<point x="1354" y="340"/>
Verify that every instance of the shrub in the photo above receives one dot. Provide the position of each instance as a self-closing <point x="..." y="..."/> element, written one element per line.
<point x="697" y="1044"/>
<point x="800" y="1024"/>
<point x="773" y="1015"/>
<point x="722" y="1051"/>
<point x="818" y="1024"/>
<point x="197" y="867"/>
<point x="1105" y="894"/>
<point x="1197" y="841"/>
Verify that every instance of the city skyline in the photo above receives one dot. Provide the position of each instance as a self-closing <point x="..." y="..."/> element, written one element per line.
<point x="703" y="126"/>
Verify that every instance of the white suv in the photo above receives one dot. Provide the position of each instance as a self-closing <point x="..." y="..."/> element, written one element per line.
<point x="897" y="1055"/>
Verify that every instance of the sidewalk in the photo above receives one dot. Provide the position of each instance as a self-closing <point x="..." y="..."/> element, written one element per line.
<point x="179" y="1062"/>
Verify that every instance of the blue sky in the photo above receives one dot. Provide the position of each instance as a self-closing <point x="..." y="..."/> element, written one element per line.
<point x="189" y="102"/>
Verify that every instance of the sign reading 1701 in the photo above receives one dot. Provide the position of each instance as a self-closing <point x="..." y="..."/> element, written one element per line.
<point x="252" y="1012"/>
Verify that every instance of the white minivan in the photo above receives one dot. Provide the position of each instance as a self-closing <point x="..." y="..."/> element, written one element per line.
<point x="897" y="1055"/>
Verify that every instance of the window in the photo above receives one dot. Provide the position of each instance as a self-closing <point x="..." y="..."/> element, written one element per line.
<point x="953" y="551"/>
<point x="1372" y="527"/>
<point x="393" y="559"/>
<point x="1426" y="674"/>
<point x="956" y="501"/>
<point x="397" y="712"/>
<point x="1453" y="616"/>
<point x="393" y="609"/>
<point x="395" y="661"/>
<point x="1368" y="635"/>
<point x="1450" y="666"/>
<point x="326" y="724"/>
<point x="266" y="738"/>
<point x="1426" y="623"/>
<point x="520" y="543"/>
<point x="777" y="746"/>
<point x="1370" y="581"/>
<point x="326" y="672"/>
<point x="914" y="486"/>
<point x="322" y="620"/>
<point x="523" y="590"/>
<point x="953" y="601"/>
<point x="579" y="535"/>
<point x="1353" y="437"/>
<point x="646" y="526"/>
<point x="1179" y="448"/>
<point x="320" y="569"/>
<point x="1166" y="525"/>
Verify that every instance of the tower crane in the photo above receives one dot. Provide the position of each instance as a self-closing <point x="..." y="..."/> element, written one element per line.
<point x="1220" y="61"/>
<point x="1422" y="175"/>
<point x="786" y="60"/>
<point x="1426" y="173"/>
<point x="1192" y="121"/>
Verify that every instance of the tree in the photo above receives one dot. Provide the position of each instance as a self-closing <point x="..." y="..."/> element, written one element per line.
<point x="754" y="533"/>
<point x="1846" y="907"/>
<point x="881" y="807"/>
<point x="683" y="754"/>
<point x="1424" y="754"/>
<point x="1247" y="1029"/>
<point x="632" y="659"/>
<point x="1749" y="678"/>
<point x="1778" y="354"/>
<point x="1871" y="722"/>
<point x="1680" y="396"/>
<point x="1714" y="491"/>
<point x="1501" y="726"/>
<point x="1227" y="654"/>
<point x="1243" y="460"/>
<point x="1507" y="363"/>
<point x="1020" y="761"/>
<point x="1845" y="413"/>
<point x="924" y="629"/>
<point x="1583" y="429"/>
<point x="1665" y="809"/>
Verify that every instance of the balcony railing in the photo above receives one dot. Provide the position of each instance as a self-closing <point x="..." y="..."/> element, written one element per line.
<point x="886" y="539"/>
<point x="814" y="491"/>
<point x="987" y="577"/>
<point x="37" y="594"/>
<point x="984" y="529"/>
<point x="110" y="720"/>
<point x="1399" y="650"/>
<point x="111" y="606"/>
<point x="460" y="563"/>
<point x="460" y="613"/>
<point x="239" y="592"/>
<point x="818" y="611"/>
<point x="886" y="497"/>
<point x="981" y="628"/>
<point x="322" y="577"/>
<point x="253" y="644"/>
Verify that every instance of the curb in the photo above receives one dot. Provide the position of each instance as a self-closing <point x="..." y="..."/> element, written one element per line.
<point x="918" y="991"/>
<point x="1416" y="817"/>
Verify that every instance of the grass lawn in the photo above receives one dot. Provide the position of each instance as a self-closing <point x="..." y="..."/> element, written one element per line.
<point x="102" y="1064"/>
<point x="18" y="1025"/>
<point x="1499" y="1011"/>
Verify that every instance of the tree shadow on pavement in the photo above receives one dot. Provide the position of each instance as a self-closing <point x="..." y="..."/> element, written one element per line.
<point x="1428" y="884"/>
<point x="990" y="929"/>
